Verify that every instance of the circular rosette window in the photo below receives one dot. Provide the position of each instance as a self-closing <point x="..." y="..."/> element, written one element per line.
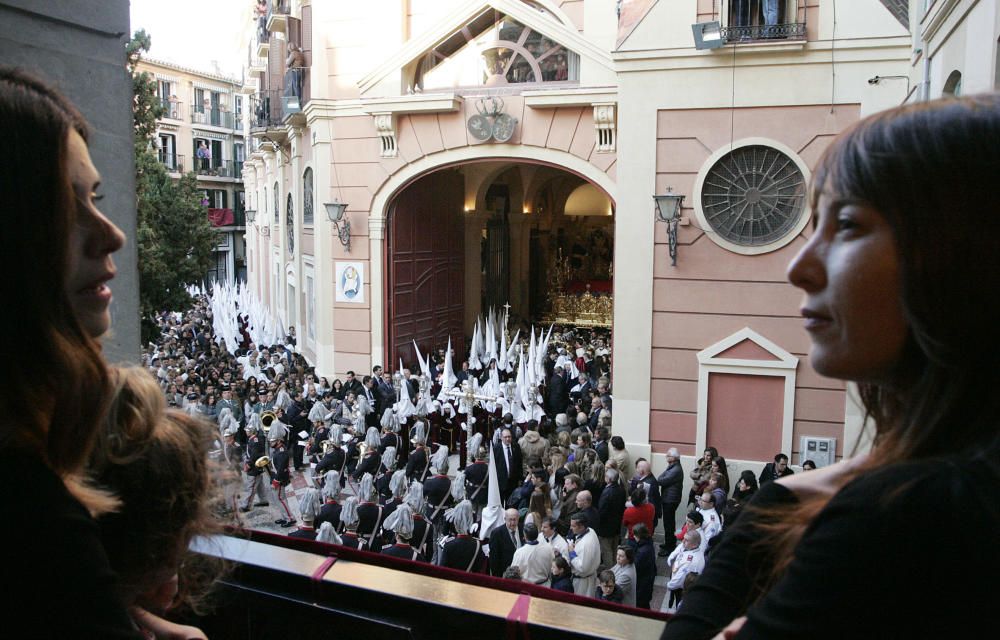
<point x="753" y="196"/>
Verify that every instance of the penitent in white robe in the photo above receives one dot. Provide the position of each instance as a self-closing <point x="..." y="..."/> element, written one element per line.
<point x="584" y="560"/>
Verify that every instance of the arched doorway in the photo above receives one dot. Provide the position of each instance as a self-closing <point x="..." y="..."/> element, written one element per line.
<point x="494" y="233"/>
<point x="426" y="266"/>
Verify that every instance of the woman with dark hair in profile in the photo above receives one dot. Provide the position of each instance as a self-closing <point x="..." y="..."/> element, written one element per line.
<point x="55" y="391"/>
<point x="900" y="277"/>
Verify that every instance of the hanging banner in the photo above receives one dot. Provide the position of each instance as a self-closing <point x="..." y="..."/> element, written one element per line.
<point x="350" y="282"/>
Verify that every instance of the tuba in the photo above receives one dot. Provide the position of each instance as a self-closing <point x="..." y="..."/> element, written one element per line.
<point x="266" y="419"/>
<point x="263" y="462"/>
<point x="328" y="446"/>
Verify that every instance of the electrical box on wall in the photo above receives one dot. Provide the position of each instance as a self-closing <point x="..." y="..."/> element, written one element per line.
<point x="822" y="451"/>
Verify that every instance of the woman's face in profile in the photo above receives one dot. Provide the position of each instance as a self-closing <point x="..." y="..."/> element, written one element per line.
<point x="849" y="272"/>
<point x="93" y="239"/>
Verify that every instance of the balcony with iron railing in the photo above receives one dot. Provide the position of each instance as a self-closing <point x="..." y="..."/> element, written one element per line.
<point x="296" y="93"/>
<point x="255" y="61"/>
<point x="761" y="21"/>
<point x="214" y="168"/>
<point x="173" y="162"/>
<point x="266" y="110"/>
<point x="171" y="108"/>
<point x="217" y="117"/>
<point x="277" y="15"/>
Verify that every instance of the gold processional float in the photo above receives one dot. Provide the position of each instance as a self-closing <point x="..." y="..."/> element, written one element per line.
<point x="576" y="309"/>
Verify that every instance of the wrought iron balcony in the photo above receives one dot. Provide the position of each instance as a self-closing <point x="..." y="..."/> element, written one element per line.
<point x="757" y="32"/>
<point x="296" y="92"/>
<point x="173" y="162"/>
<point x="265" y="109"/>
<point x="202" y="114"/>
<point x="214" y="168"/>
<point x="171" y="108"/>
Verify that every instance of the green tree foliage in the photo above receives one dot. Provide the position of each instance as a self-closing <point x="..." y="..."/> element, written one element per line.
<point x="174" y="238"/>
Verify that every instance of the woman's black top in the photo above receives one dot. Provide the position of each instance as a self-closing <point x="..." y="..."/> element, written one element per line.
<point x="563" y="583"/>
<point x="902" y="552"/>
<point x="59" y="582"/>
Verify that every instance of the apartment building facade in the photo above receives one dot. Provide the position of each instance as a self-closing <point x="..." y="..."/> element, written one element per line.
<point x="201" y="131"/>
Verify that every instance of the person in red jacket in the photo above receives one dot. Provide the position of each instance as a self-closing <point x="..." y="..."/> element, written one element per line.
<point x="639" y="510"/>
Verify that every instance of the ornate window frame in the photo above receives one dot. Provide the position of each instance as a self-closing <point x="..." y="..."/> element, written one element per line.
<point x="699" y="185"/>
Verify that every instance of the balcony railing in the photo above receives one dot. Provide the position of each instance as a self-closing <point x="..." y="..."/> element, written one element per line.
<point x="201" y="114"/>
<point x="171" y="108"/>
<point x="361" y="594"/>
<point x="173" y="162"/>
<point x="296" y="90"/>
<point x="214" y="168"/>
<point x="756" y="32"/>
<point x="265" y="109"/>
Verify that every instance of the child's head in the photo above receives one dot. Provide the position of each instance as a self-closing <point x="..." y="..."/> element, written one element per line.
<point x="606" y="580"/>
<point x="157" y="465"/>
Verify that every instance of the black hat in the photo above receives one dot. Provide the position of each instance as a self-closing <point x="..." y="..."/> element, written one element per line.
<point x="192" y="396"/>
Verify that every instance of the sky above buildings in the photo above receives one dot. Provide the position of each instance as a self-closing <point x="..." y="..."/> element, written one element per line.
<point x="193" y="33"/>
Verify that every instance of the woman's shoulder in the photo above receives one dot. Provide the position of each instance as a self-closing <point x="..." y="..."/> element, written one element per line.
<point x="945" y="478"/>
<point x="945" y="489"/>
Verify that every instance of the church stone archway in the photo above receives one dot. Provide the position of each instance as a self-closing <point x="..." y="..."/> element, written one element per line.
<point x="484" y="233"/>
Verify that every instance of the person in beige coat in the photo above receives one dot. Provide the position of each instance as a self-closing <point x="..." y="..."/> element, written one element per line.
<point x="533" y="447"/>
<point x="619" y="454"/>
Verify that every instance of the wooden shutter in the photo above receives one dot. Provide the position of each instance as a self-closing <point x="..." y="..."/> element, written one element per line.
<point x="306" y="34"/>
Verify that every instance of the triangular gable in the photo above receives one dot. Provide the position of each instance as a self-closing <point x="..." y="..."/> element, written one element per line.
<point x="418" y="45"/>
<point x="747" y="350"/>
<point x="734" y="349"/>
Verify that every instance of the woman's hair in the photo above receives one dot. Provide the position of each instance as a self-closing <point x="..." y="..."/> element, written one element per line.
<point x="723" y="469"/>
<point x="562" y="564"/>
<point x="55" y="396"/>
<point x="629" y="552"/>
<point x="540" y="504"/>
<point x="928" y="168"/>
<point x="617" y="442"/>
<point x="720" y="481"/>
<point x="749" y="479"/>
<point x="157" y="464"/>
<point x="714" y="453"/>
<point x="639" y="494"/>
<point x="563" y="439"/>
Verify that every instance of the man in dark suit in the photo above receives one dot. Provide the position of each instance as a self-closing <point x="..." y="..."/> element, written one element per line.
<point x="558" y="395"/>
<point x="671" y="483"/>
<point x="774" y="470"/>
<point x="463" y="375"/>
<point x="508" y="461"/>
<point x="353" y="385"/>
<point x="373" y="418"/>
<point x="610" y="509"/>
<point x="601" y="437"/>
<point x="504" y="541"/>
<point x="385" y="394"/>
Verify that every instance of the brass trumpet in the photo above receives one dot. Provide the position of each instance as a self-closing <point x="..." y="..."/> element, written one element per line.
<point x="262" y="462"/>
